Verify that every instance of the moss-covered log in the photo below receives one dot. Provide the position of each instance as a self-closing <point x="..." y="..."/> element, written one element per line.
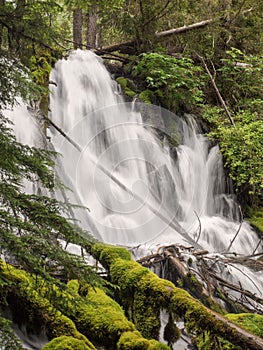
<point x="65" y="342"/>
<point x="78" y="312"/>
<point x="139" y="285"/>
<point x="23" y="290"/>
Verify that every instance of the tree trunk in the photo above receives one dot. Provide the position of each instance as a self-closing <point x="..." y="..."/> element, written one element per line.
<point x="15" y="33"/>
<point x="2" y="2"/>
<point x="77" y="28"/>
<point x="92" y="32"/>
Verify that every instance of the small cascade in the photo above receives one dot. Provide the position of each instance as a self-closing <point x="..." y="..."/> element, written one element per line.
<point x="27" y="126"/>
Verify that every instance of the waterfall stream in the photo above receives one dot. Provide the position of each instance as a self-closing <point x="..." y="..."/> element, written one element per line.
<point x="124" y="173"/>
<point x="119" y="163"/>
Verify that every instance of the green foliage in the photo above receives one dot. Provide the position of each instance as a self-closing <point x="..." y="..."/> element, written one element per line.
<point x="15" y="82"/>
<point x="256" y="218"/>
<point x="146" y="96"/>
<point x="175" y="81"/>
<point x="241" y="146"/>
<point x="66" y="343"/>
<point x="207" y="342"/>
<point x="31" y="225"/>
<point x="29" y="24"/>
<point x="252" y="322"/>
<point x="240" y="81"/>
<point x="8" y="339"/>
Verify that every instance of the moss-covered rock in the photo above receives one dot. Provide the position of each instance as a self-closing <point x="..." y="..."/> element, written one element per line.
<point x="66" y="343"/>
<point x="127" y="86"/>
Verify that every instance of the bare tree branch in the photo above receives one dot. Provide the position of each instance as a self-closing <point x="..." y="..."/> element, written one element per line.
<point x="217" y="91"/>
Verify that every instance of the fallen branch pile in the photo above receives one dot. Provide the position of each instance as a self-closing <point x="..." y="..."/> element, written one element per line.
<point x="177" y="263"/>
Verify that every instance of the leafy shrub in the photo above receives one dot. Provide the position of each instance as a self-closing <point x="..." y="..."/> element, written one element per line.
<point x="175" y="81"/>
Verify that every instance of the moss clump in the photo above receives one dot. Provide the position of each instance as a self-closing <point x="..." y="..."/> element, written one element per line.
<point x="100" y="317"/>
<point x="256" y="219"/>
<point x="127" y="86"/>
<point x="251" y="322"/>
<point x="134" y="341"/>
<point x="107" y="254"/>
<point x="66" y="343"/>
<point x="171" y="331"/>
<point x="142" y="292"/>
<point x="147" y="96"/>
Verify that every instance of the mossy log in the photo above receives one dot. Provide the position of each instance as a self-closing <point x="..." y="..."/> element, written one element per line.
<point x="66" y="343"/>
<point x="36" y="306"/>
<point x="87" y="312"/>
<point x="136" y="282"/>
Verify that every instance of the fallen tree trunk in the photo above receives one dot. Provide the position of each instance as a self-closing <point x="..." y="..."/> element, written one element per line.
<point x="184" y="28"/>
<point x="128" y="45"/>
<point x="137" y="285"/>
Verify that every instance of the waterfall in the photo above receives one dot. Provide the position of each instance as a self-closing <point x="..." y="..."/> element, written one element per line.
<point x="122" y="170"/>
<point x="137" y="188"/>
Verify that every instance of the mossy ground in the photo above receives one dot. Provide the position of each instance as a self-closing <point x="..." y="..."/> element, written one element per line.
<point x="251" y="322"/>
<point x="256" y="219"/>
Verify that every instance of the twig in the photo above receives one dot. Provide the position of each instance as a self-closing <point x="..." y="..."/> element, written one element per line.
<point x="248" y="278"/>
<point x="217" y="91"/>
<point x="254" y="251"/>
<point x="239" y="228"/>
<point x="236" y="288"/>
<point x="200" y="227"/>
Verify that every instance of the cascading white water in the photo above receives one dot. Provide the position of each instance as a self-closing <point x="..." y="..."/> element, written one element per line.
<point x="119" y="168"/>
<point x="124" y="173"/>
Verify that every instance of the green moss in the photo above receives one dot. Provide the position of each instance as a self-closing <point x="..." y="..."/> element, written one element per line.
<point x="147" y="96"/>
<point x="127" y="86"/>
<point x="207" y="342"/>
<point x="101" y="318"/>
<point x="171" y="331"/>
<point x="155" y="345"/>
<point x="66" y="343"/>
<point x="251" y="322"/>
<point x="125" y="82"/>
<point x="144" y="292"/>
<point x="191" y="283"/>
<point x="134" y="341"/>
<point x="256" y="219"/>
<point x="107" y="254"/>
<point x="36" y="306"/>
